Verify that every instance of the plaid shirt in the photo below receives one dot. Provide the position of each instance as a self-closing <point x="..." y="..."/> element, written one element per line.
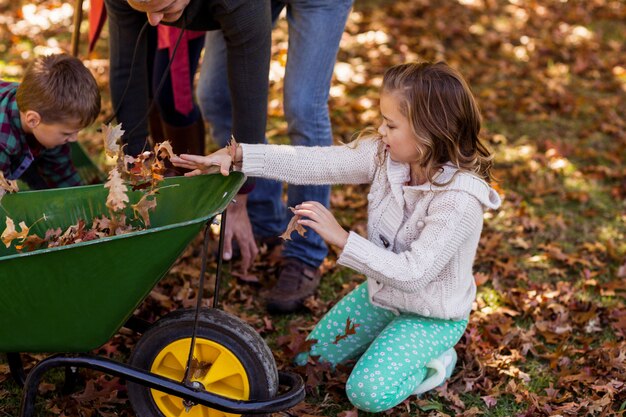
<point x="18" y="150"/>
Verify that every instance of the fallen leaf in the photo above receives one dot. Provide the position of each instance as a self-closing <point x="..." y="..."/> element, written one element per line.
<point x="349" y="330"/>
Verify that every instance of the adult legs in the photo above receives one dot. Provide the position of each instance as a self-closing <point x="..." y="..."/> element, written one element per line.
<point x="265" y="207"/>
<point x="315" y="29"/>
<point x="125" y="25"/>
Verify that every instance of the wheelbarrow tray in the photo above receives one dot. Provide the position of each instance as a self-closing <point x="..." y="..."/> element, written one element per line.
<point x="75" y="298"/>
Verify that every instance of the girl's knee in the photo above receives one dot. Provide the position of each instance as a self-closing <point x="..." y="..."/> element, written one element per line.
<point x="373" y="396"/>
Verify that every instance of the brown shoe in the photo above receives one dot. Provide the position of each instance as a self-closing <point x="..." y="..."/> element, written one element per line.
<point x="296" y="282"/>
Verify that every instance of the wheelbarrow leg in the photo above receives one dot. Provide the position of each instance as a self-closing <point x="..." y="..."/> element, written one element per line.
<point x="293" y="396"/>
<point x="16" y="366"/>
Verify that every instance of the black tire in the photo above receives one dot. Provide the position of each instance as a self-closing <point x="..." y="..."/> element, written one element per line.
<point x="214" y="327"/>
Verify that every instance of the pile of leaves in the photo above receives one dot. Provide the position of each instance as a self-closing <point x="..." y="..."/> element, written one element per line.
<point x="143" y="172"/>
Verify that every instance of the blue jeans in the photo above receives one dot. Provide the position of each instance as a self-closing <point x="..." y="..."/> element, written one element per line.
<point x="315" y="29"/>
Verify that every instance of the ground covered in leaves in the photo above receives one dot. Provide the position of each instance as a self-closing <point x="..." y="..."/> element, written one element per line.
<point x="548" y="333"/>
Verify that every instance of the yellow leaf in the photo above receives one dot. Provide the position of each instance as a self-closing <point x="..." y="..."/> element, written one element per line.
<point x="10" y="233"/>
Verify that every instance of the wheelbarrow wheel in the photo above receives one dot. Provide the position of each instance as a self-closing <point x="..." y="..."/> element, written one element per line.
<point x="230" y="359"/>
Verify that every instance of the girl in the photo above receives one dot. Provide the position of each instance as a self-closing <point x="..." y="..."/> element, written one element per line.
<point x="429" y="176"/>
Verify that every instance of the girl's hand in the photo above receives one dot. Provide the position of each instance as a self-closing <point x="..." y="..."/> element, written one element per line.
<point x="320" y="219"/>
<point x="199" y="164"/>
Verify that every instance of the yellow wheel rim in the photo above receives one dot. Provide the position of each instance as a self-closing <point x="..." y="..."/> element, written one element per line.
<point x="221" y="373"/>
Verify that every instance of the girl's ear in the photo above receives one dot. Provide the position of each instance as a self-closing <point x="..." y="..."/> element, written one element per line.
<point x="32" y="118"/>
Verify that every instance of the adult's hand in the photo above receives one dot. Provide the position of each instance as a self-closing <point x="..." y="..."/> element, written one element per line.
<point x="160" y="10"/>
<point x="238" y="227"/>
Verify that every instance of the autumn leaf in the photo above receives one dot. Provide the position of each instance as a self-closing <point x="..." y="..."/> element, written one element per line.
<point x="31" y="243"/>
<point x="9" y="186"/>
<point x="143" y="206"/>
<point x="164" y="150"/>
<point x="349" y="330"/>
<point x="10" y="233"/>
<point x="198" y="369"/>
<point x="117" y="198"/>
<point x="112" y="136"/>
<point x="232" y="148"/>
<point x="293" y="226"/>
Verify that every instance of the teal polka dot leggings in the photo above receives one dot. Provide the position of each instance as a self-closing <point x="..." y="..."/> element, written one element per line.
<point x="393" y="349"/>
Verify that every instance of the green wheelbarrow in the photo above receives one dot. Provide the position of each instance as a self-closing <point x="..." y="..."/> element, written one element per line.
<point x="73" y="299"/>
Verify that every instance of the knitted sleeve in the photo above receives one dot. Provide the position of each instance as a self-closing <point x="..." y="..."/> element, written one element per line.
<point x="454" y="217"/>
<point x="343" y="164"/>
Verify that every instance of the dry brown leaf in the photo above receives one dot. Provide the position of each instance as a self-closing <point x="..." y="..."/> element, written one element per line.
<point x="8" y="185"/>
<point x="164" y="150"/>
<point x="112" y="136"/>
<point x="31" y="243"/>
<point x="10" y="233"/>
<point x="117" y="198"/>
<point x="293" y="226"/>
<point x="143" y="206"/>
<point x="232" y="148"/>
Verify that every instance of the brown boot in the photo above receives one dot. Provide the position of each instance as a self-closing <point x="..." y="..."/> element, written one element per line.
<point x="186" y="139"/>
<point x="296" y="282"/>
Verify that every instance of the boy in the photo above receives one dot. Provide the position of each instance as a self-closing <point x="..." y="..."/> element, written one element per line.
<point x="57" y="98"/>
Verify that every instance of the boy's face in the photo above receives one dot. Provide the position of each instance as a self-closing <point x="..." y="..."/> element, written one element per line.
<point x="56" y="134"/>
<point x="50" y="135"/>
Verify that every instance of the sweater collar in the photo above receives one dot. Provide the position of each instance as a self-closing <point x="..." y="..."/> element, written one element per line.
<point x="399" y="174"/>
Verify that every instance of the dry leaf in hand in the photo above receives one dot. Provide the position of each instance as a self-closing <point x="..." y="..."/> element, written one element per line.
<point x="112" y="136"/>
<point x="232" y="148"/>
<point x="293" y="226"/>
<point x="8" y="185"/>
<point x="117" y="198"/>
<point x="143" y="206"/>
<point x="10" y="233"/>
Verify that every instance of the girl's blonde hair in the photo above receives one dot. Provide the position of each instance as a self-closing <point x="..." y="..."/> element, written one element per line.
<point x="443" y="114"/>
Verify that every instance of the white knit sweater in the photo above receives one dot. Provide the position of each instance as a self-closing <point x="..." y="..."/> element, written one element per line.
<point x="421" y="239"/>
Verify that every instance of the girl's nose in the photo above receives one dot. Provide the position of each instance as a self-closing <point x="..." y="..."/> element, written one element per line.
<point x="381" y="129"/>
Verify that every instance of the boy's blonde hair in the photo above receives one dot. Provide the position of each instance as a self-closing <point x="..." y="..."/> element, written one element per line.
<point x="60" y="88"/>
<point x="442" y="113"/>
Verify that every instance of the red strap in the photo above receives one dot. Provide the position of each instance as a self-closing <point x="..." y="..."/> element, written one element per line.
<point x="97" y="17"/>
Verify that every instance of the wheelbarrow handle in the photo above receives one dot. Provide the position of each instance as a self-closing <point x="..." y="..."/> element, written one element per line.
<point x="293" y="396"/>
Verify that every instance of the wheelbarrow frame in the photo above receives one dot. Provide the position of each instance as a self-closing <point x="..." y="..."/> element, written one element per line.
<point x="185" y="389"/>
